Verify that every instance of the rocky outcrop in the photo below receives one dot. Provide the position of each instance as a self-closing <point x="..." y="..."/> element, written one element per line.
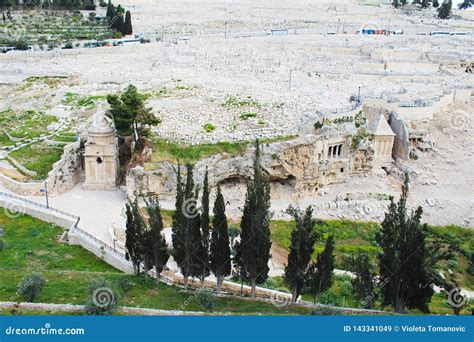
<point x="65" y="172"/>
<point x="301" y="165"/>
<point x="61" y="178"/>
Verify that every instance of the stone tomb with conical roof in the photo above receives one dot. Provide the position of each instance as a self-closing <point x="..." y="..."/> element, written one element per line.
<point x="383" y="137"/>
<point x="101" y="154"/>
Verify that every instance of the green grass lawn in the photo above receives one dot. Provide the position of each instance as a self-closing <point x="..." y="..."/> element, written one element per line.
<point x="360" y="236"/>
<point x="38" y="157"/>
<point x="28" y="124"/>
<point x="32" y="245"/>
<point x="171" y="151"/>
<point x="4" y="140"/>
<point x="350" y="236"/>
<point x="65" y="137"/>
<point x="75" y="100"/>
<point x="341" y="294"/>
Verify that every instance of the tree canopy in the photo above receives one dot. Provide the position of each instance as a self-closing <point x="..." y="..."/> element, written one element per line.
<point x="130" y="114"/>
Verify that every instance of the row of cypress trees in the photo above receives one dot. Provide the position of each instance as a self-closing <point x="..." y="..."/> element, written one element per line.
<point x="118" y="19"/>
<point x="144" y="241"/>
<point x="252" y="250"/>
<point x="443" y="8"/>
<point x="407" y="261"/>
<point x="196" y="250"/>
<point x="197" y="253"/>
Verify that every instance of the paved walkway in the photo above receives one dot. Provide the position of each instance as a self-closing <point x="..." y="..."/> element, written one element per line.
<point x="98" y="210"/>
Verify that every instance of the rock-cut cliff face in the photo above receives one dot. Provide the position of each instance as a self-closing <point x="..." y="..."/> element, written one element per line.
<point x="300" y="166"/>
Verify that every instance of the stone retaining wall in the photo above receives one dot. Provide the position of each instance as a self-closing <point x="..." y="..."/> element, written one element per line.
<point x="99" y="250"/>
<point x="16" y="206"/>
<point x="61" y="178"/>
<point x="19" y="166"/>
<point x="234" y="288"/>
<point x="80" y="308"/>
<point x="20" y="188"/>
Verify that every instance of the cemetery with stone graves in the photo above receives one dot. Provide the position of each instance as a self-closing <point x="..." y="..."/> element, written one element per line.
<point x="341" y="117"/>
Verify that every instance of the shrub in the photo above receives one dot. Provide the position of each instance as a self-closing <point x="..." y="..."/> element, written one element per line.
<point x="206" y="299"/>
<point x="31" y="286"/>
<point x="328" y="297"/>
<point x="209" y="127"/>
<point x="21" y="45"/>
<point x="247" y="115"/>
<point x="125" y="285"/>
<point x="318" y="125"/>
<point x="2" y="245"/>
<point x="103" y="300"/>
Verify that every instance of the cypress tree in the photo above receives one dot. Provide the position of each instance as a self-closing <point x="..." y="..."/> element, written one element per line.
<point x="365" y="279"/>
<point x="205" y="225"/>
<point x="303" y="238"/>
<point x="187" y="243"/>
<point x="119" y="10"/>
<point x="128" y="23"/>
<point x="425" y="3"/>
<point x="319" y="277"/>
<point x="444" y="11"/>
<point x="118" y="23"/>
<point x="466" y="4"/>
<point x="110" y="11"/>
<point x="188" y="224"/>
<point x="133" y="234"/>
<point x="146" y="249"/>
<point x="178" y="226"/>
<point x="159" y="246"/>
<point x="196" y="259"/>
<point x="220" y="250"/>
<point x="407" y="263"/>
<point x="253" y="250"/>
